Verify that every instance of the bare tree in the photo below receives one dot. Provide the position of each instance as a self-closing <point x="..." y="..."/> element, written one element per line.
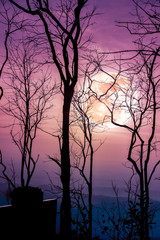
<point x="11" y="23"/>
<point x="86" y="154"/>
<point x="63" y="29"/>
<point x="141" y="100"/>
<point x="145" y="25"/>
<point x="27" y="103"/>
<point x="82" y="131"/>
<point x="137" y="97"/>
<point x="145" y="19"/>
<point x="83" y="151"/>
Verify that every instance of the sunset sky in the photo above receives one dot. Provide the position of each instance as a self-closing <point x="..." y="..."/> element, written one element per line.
<point x="110" y="158"/>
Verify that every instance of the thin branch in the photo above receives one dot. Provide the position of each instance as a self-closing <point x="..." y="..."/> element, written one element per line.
<point x="5" y="176"/>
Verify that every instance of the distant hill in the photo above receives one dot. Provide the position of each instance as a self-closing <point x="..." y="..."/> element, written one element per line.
<point x="100" y="202"/>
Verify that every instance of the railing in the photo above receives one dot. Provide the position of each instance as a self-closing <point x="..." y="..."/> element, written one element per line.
<point x="29" y="221"/>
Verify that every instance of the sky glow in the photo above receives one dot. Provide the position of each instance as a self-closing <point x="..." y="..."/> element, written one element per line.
<point x="107" y="37"/>
<point x="108" y="94"/>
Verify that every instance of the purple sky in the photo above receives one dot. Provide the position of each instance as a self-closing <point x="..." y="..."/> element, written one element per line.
<point x="107" y="35"/>
<point x="108" y="162"/>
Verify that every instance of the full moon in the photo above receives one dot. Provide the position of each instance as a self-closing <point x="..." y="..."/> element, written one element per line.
<point x="108" y="93"/>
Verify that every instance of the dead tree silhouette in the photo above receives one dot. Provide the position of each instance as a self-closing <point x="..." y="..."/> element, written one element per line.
<point x="63" y="30"/>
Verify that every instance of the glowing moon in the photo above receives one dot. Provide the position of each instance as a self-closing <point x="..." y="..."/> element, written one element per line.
<point x="108" y="93"/>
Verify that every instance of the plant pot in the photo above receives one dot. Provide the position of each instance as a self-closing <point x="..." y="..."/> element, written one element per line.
<point x="27" y="205"/>
<point x="27" y="197"/>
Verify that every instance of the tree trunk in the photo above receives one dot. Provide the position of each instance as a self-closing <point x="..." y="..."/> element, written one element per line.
<point x="146" y="209"/>
<point x="90" y="194"/>
<point x="141" y="207"/>
<point x="65" y="221"/>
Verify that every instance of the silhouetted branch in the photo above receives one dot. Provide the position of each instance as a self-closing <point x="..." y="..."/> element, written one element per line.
<point x="5" y="175"/>
<point x="153" y="171"/>
<point x="9" y="19"/>
<point x="146" y="19"/>
<point x="57" y="161"/>
<point x="28" y="103"/>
